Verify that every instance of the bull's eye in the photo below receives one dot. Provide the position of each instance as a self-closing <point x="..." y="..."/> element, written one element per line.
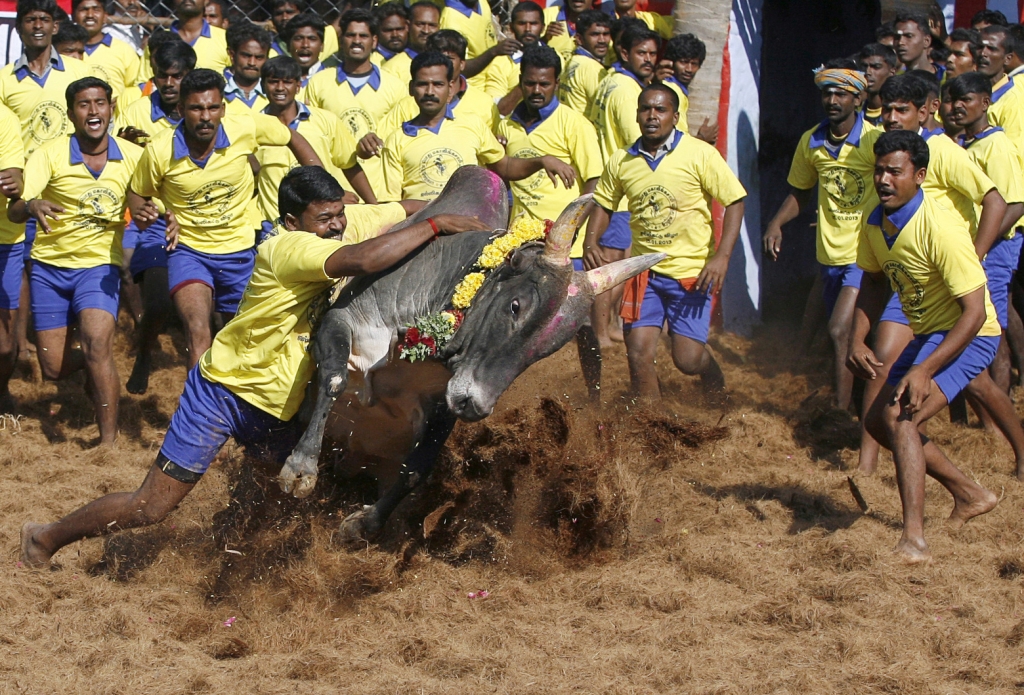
<point x="515" y="307"/>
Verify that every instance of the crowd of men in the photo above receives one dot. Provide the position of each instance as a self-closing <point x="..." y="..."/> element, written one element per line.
<point x="195" y="175"/>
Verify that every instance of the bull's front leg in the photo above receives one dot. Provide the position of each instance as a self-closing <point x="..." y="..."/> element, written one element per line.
<point x="330" y="351"/>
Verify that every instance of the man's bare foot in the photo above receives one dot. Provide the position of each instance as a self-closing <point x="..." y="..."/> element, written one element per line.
<point x="913" y="552"/>
<point x="1020" y="471"/>
<point x="27" y="352"/>
<point x="138" y="382"/>
<point x="32" y="554"/>
<point x="867" y="470"/>
<point x="8" y="404"/>
<point x="965" y="510"/>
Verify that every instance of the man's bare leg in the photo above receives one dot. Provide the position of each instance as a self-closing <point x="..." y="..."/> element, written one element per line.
<point x="97" y="336"/>
<point x="1015" y="340"/>
<point x="194" y="303"/>
<point x="998" y="405"/>
<point x="158" y="495"/>
<point x="8" y="358"/>
<point x="641" y="349"/>
<point x="604" y="304"/>
<point x="156" y="310"/>
<point x="1000" y="367"/>
<point x="25" y="348"/>
<point x="590" y="362"/>
<point x="131" y="292"/>
<point x="839" y="325"/>
<point x="693" y="357"/>
<point x="814" y="315"/>
<point x="890" y="341"/>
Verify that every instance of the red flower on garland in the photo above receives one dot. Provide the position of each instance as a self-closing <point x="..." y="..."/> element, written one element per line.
<point x="412" y="336"/>
<point x="429" y="342"/>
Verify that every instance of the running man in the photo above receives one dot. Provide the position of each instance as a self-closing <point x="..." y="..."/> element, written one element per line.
<point x="12" y="254"/>
<point x="1007" y="104"/>
<point x="878" y="63"/>
<point x="248" y="46"/>
<point x="111" y="59"/>
<point x="585" y="69"/>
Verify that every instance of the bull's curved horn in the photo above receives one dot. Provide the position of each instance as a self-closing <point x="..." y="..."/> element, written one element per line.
<point x="606" y="277"/>
<point x="559" y="241"/>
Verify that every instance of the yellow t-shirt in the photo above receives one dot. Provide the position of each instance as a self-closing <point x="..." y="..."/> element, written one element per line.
<point x="473" y="23"/>
<point x="473" y="102"/>
<point x="88" y="233"/>
<point x="503" y="75"/>
<point x="614" y="110"/>
<point x="132" y="94"/>
<point x="670" y="200"/>
<point x="577" y="86"/>
<point x="399" y="64"/>
<point x="328" y="137"/>
<point x="418" y="161"/>
<point x="210" y="199"/>
<point x="1007" y="110"/>
<point x="114" y="62"/>
<point x="262" y="354"/>
<point x="211" y="49"/>
<point x="330" y="45"/>
<point x="930" y="265"/>
<point x="993" y="152"/>
<point x="565" y="43"/>
<point x="146" y="114"/>
<point x="562" y="133"/>
<point x="38" y="103"/>
<point x="238" y="104"/>
<point x="12" y="156"/>
<point x="846" y="191"/>
<point x="954" y="181"/>
<point x="684" y="102"/>
<point x="660" y="23"/>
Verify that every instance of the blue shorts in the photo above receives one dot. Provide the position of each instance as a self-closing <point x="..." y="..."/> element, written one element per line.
<point x="12" y="264"/>
<point x="30" y="237"/>
<point x="837" y="277"/>
<point x="618" y="235"/>
<point x="226" y="274"/>
<point x="1000" y="264"/>
<point x="688" y="312"/>
<point x="60" y="294"/>
<point x="263" y="233"/>
<point x="893" y="312"/>
<point x="954" y="376"/>
<point x="150" y="250"/>
<point x="577" y="265"/>
<point x="208" y="413"/>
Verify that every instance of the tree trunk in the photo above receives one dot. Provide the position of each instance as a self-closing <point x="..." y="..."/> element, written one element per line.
<point x="709" y="21"/>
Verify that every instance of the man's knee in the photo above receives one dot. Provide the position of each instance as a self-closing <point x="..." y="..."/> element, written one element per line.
<point x="689" y="363"/>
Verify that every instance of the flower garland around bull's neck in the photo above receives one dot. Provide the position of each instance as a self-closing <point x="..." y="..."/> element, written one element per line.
<point x="428" y="335"/>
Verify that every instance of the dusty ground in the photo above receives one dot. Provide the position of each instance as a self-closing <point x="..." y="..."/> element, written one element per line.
<point x="692" y="549"/>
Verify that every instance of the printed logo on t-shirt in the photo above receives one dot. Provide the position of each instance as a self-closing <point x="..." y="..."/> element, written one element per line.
<point x="910" y="291"/>
<point x="437" y="166"/>
<point x="532" y="182"/>
<point x="210" y="202"/>
<point x="845" y="186"/>
<point x="48" y="121"/>
<point x="98" y="206"/>
<point x="358" y="121"/>
<point x="656" y="208"/>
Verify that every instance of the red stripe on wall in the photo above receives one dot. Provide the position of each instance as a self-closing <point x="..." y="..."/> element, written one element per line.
<point x="717" y="211"/>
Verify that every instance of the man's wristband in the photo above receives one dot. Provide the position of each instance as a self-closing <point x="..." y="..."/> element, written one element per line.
<point x="433" y="225"/>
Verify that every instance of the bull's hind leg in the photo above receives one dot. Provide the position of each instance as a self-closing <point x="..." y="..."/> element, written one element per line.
<point x="367" y="522"/>
<point x="331" y="352"/>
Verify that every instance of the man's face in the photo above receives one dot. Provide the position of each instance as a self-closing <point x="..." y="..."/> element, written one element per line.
<point x="423" y="22"/>
<point x="527" y="27"/>
<point x="214" y="15"/>
<point x="624" y="6"/>
<point x="685" y="69"/>
<point x="992" y="60"/>
<point x="201" y="113"/>
<point x="457" y="65"/>
<point x="876" y="72"/>
<point x="946" y="113"/>
<point x="168" y="83"/>
<point x="656" y="115"/>
<point x="394" y="33"/>
<point x="91" y="16"/>
<point x="596" y="40"/>
<point x="186" y="9"/>
<point x="911" y="42"/>
<point x="969" y="108"/>
<point x="306" y="46"/>
<point x="91" y="113"/>
<point x="903" y="115"/>
<point x="896" y="180"/>
<point x="960" y="59"/>
<point x="324" y="218"/>
<point x="431" y="90"/>
<point x="539" y="86"/>
<point x="641" y="58"/>
<point x="36" y="30"/>
<point x="72" y="49"/>
<point x="839" y="103"/>
<point x="282" y="14"/>
<point x="577" y="6"/>
<point x="248" y="60"/>
<point x="357" y="42"/>
<point x="281" y="92"/>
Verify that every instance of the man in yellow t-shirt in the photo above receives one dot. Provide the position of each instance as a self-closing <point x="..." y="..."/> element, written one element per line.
<point x="75" y="188"/>
<point x="111" y="59"/>
<point x="1007" y="101"/>
<point x="209" y="42"/>
<point x="393" y="54"/>
<point x="304" y="38"/>
<point x="248" y="46"/>
<point x="502" y="83"/>
<point x="251" y="382"/>
<point x="200" y="170"/>
<point x="687" y="54"/>
<point x="584" y="70"/>
<point x="669" y="179"/>
<point x="12" y="252"/>
<point x="662" y="24"/>
<point x="921" y="250"/>
<point x="561" y="26"/>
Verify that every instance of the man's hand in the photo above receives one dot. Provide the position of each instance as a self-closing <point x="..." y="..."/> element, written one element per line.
<point x="350" y="198"/>
<point x="506" y="48"/>
<point x="146" y="214"/>
<point x="773" y="242"/>
<point x="593" y="257"/>
<point x="913" y="389"/>
<point x="557" y="170"/>
<point x="369" y="146"/>
<point x="862" y="362"/>
<point x="708" y="132"/>
<point x="10" y="183"/>
<point x="454" y="224"/>
<point x="173" y="231"/>
<point x="554" y="29"/>
<point x="712" y="276"/>
<point x="41" y="209"/>
<point x="132" y="134"/>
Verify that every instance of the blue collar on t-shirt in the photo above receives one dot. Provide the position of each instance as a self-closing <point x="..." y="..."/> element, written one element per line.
<point x="113" y="154"/>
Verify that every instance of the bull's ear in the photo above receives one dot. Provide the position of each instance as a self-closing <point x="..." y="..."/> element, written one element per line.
<point x="606" y="277"/>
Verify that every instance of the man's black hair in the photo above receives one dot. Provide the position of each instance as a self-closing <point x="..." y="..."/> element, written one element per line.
<point x="301" y="21"/>
<point x="303" y="186"/>
<point x="76" y="3"/>
<point x="535" y="56"/>
<point x="929" y="79"/>
<point x="903" y="141"/>
<point x="423" y="3"/>
<point x="299" y="5"/>
<point x="526" y="6"/>
<point x="633" y="36"/>
<point x="969" y="83"/>
<point x="972" y="38"/>
<point x="448" y="41"/>
<point x="83" y="84"/>
<point x="918" y="18"/>
<point x="885" y="31"/>
<point x="882" y="51"/>
<point x="589" y="18"/>
<point x="841" y="64"/>
<point x="201" y="80"/>
<point x="391" y="9"/>
<point x="359" y="16"/>
<point x="69" y="32"/>
<point x="225" y="8"/>
<point x="686" y="47"/>
<point x="26" y="7"/>
<point x="281" y="68"/>
<point x="620" y="25"/>
<point x="430" y="59"/>
<point x="904" y="88"/>
<point x="159" y="37"/>
<point x="245" y="31"/>
<point x="170" y="54"/>
<point x="664" y="89"/>
<point x="993" y="17"/>
<point x="1014" y="41"/>
<point x="997" y="30"/>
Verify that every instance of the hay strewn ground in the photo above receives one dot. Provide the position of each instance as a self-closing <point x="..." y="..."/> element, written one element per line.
<point x="690" y="549"/>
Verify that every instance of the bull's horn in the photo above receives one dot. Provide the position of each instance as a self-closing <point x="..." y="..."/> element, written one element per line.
<point x="559" y="241"/>
<point x="608" y="276"/>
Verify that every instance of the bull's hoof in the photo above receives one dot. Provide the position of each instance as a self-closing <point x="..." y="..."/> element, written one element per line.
<point x="298" y="475"/>
<point x="359" y="526"/>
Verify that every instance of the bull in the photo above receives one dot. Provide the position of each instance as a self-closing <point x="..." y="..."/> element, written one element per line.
<point x="398" y="414"/>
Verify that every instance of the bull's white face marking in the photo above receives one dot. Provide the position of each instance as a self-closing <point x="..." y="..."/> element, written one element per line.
<point x="335" y="382"/>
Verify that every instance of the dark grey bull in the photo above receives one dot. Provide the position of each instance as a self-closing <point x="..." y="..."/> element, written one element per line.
<point x="527" y="309"/>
